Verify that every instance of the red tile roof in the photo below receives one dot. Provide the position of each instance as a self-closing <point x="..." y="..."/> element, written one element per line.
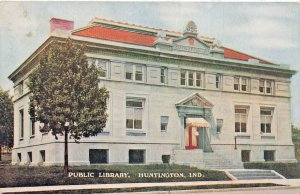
<point x="117" y="35"/>
<point x="136" y="38"/>
<point x="232" y="54"/>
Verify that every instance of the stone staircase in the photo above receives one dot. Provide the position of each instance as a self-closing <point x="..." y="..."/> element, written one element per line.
<point x="214" y="160"/>
<point x="253" y="174"/>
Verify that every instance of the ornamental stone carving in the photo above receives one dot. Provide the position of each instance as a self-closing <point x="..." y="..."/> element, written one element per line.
<point x="190" y="29"/>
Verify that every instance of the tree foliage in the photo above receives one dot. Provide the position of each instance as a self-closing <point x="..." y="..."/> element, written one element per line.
<point x="65" y="90"/>
<point x="6" y="119"/>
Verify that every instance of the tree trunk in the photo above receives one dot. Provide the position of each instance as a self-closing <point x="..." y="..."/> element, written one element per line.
<point x="0" y="153"/>
<point x="66" y="166"/>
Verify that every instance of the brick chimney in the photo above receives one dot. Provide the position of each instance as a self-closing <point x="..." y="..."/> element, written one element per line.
<point x="61" y="26"/>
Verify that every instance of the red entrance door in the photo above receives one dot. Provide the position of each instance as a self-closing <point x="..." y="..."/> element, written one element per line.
<point x="191" y="138"/>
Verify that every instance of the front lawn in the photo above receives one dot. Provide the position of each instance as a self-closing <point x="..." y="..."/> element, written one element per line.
<point x="288" y="170"/>
<point x="13" y="176"/>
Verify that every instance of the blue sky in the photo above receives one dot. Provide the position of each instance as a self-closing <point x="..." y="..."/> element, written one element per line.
<point x="268" y="30"/>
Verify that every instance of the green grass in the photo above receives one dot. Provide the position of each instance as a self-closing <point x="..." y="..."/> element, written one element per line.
<point x="288" y="170"/>
<point x="145" y="189"/>
<point x="40" y="176"/>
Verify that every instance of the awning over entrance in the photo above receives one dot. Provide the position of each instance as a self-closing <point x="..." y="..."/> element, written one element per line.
<point x="197" y="122"/>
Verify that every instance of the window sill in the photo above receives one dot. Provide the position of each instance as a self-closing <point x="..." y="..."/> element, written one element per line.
<point x="243" y="136"/>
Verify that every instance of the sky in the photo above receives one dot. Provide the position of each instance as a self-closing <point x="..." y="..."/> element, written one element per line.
<point x="267" y="30"/>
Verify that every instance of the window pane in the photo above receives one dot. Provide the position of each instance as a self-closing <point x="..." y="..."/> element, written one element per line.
<point x="268" y="84"/>
<point x="244" y="81"/>
<point x="129" y="113"/>
<point x="138" y="124"/>
<point x="268" y="90"/>
<point x="240" y="110"/>
<point x="243" y="127"/>
<point x="163" y="127"/>
<point x="182" y="80"/>
<point x="129" y="123"/>
<point x="136" y="156"/>
<point x="261" y="89"/>
<point x="132" y="103"/>
<point x="268" y="127"/>
<point x="266" y="112"/>
<point x="262" y="128"/>
<point x="198" y="83"/>
<point x="139" y="77"/>
<point x="243" y="118"/>
<point x="244" y="88"/>
<point x="129" y="76"/>
<point x="138" y="112"/>
<point x="237" y="127"/>
<point x="198" y="75"/>
<point x="191" y="78"/>
<point x="236" y="87"/>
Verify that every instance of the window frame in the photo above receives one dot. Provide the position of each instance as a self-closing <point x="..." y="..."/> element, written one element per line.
<point x="240" y="119"/>
<point x="240" y="84"/>
<point x="21" y="123"/>
<point x="32" y="127"/>
<point x="265" y="87"/>
<point x="218" y="81"/>
<point x="163" y="75"/>
<point x="133" y="108"/>
<point x="134" y="72"/>
<point x="96" y="62"/>
<point x="265" y="118"/>
<point x="164" y="124"/>
<point x="191" y="82"/>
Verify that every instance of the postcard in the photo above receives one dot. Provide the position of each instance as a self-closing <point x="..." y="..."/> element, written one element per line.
<point x="107" y="97"/>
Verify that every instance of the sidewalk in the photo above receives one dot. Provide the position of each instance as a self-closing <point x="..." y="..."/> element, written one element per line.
<point x="286" y="182"/>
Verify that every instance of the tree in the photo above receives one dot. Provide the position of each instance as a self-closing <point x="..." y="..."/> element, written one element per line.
<point x="6" y="120"/>
<point x="66" y="97"/>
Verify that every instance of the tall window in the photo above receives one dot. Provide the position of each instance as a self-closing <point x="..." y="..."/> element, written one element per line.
<point x="191" y="78"/>
<point x="241" y="117"/>
<point x="182" y="78"/>
<point x="163" y="75"/>
<point x="265" y="86"/>
<point x="236" y="83"/>
<point x="244" y="83"/>
<point x="32" y="127"/>
<point x="134" y="113"/>
<point x="198" y="79"/>
<point x="134" y="72"/>
<point x="21" y="123"/>
<point x="129" y="72"/>
<point x="164" y="123"/>
<point x="241" y="84"/>
<point x="218" y="81"/>
<point x="139" y="73"/>
<point x="265" y="120"/>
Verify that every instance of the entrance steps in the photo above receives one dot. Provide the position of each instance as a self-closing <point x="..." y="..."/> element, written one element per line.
<point x="214" y="160"/>
<point x="253" y="174"/>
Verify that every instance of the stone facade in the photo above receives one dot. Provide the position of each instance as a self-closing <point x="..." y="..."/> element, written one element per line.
<point x="153" y="89"/>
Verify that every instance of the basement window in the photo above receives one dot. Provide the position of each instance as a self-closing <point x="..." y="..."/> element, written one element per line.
<point x="137" y="156"/>
<point x="98" y="156"/>
<point x="269" y="155"/>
